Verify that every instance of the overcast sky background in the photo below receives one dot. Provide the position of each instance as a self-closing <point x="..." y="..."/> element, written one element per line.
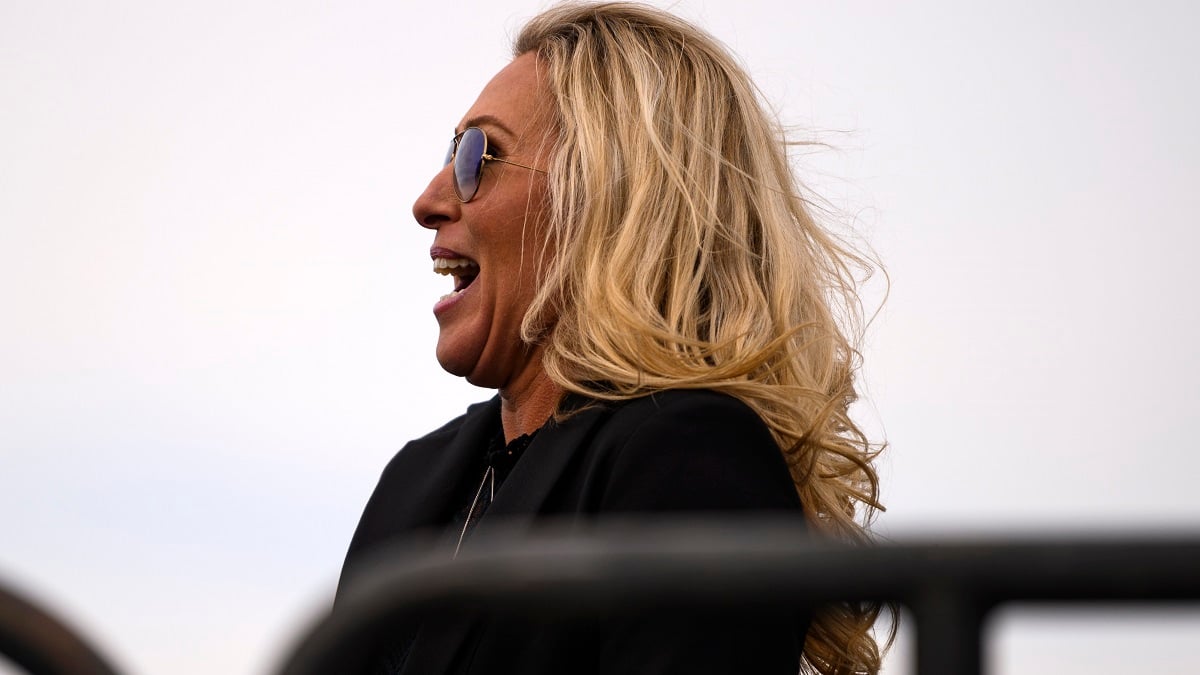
<point x="217" y="319"/>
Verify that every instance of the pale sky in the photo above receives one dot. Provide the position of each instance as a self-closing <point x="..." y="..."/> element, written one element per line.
<point x="217" y="306"/>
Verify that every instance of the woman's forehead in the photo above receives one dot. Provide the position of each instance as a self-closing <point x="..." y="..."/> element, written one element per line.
<point x="513" y="100"/>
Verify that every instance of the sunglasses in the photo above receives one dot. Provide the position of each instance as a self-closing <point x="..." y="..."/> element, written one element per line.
<point x="468" y="151"/>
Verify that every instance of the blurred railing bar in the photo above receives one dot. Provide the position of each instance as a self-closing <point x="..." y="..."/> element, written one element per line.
<point x="949" y="584"/>
<point x="41" y="643"/>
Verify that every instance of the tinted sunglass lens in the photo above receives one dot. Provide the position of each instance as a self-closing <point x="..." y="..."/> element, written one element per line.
<point x="468" y="161"/>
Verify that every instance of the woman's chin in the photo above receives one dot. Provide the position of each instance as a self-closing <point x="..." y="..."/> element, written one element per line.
<point x="463" y="360"/>
<point x="455" y="361"/>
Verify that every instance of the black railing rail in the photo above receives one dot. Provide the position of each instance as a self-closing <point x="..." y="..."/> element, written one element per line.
<point x="41" y="643"/>
<point x="948" y="584"/>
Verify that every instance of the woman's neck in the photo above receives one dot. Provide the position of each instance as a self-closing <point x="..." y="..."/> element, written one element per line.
<point x="527" y="402"/>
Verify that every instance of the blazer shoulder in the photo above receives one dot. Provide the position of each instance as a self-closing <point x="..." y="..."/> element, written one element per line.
<point x="688" y="412"/>
<point x="477" y="416"/>
<point x="693" y="450"/>
<point x="676" y="401"/>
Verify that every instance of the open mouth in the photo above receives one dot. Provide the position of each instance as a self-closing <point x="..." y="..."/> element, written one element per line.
<point x="464" y="271"/>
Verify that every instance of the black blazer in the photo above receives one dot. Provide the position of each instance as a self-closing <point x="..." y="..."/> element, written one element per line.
<point x="676" y="451"/>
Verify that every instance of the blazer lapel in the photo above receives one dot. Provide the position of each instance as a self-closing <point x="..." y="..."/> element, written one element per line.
<point x="539" y="470"/>
<point x="445" y="464"/>
<point x="517" y="503"/>
<point x="416" y="491"/>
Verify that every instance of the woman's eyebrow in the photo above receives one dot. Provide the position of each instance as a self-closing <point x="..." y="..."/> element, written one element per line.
<point x="490" y="120"/>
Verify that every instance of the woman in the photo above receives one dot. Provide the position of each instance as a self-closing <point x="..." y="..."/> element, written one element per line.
<point x="637" y="274"/>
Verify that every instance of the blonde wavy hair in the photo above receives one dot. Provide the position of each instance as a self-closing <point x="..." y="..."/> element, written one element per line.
<point x="682" y="254"/>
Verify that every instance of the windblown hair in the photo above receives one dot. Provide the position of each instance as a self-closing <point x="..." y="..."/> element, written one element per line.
<point x="682" y="254"/>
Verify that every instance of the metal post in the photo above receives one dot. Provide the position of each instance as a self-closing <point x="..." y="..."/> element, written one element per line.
<point x="949" y="625"/>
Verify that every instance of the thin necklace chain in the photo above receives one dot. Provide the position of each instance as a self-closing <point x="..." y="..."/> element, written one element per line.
<point x="489" y="480"/>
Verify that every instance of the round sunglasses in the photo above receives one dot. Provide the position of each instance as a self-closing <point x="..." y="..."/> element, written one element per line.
<point x="468" y="151"/>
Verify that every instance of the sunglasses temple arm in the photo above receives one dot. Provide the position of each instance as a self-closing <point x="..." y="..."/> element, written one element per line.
<point x="497" y="159"/>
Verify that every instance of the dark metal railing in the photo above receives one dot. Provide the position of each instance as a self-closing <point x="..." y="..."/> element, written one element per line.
<point x="41" y="643"/>
<point x="948" y="584"/>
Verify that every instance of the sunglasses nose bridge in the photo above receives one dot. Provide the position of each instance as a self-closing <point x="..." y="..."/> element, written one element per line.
<point x="452" y="151"/>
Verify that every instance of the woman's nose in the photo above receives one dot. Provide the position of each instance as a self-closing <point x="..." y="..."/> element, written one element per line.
<point x="438" y="204"/>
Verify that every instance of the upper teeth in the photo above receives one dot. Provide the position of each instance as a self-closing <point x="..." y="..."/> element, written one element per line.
<point x="449" y="265"/>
